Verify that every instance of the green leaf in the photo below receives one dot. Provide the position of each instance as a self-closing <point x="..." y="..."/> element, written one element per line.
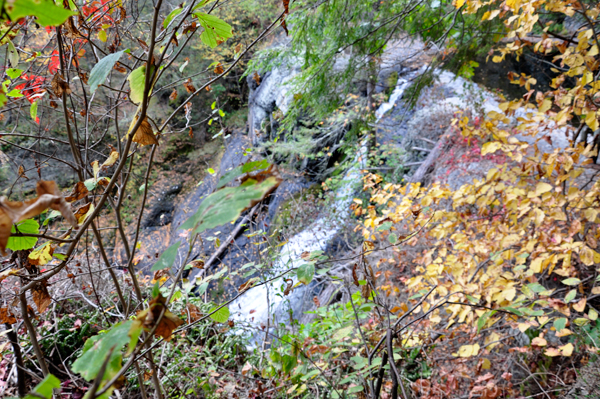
<point x="240" y="170"/>
<point x="33" y="110"/>
<point x="221" y="315"/>
<point x="102" y="36"/>
<point x="156" y="290"/>
<point x="536" y="287"/>
<point x="14" y="73"/>
<point x="288" y="362"/>
<point x="484" y="318"/>
<point x="29" y="226"/>
<point x="171" y="15"/>
<point x="305" y="273"/>
<point x="226" y="205"/>
<point x="570" y="296"/>
<point x="15" y="93"/>
<point x="215" y="29"/>
<point x="90" y="184"/>
<point x="47" y="13"/>
<point x="13" y="54"/>
<point x="393" y="238"/>
<point x="571" y="281"/>
<point x="137" y="83"/>
<point x="202" y="289"/>
<point x="97" y="348"/>
<point x="45" y="388"/>
<point x="167" y="258"/>
<point x="354" y="389"/>
<point x="101" y="70"/>
<point x="560" y="324"/>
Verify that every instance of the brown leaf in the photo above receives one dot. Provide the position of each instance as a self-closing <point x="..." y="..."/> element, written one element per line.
<point x="288" y="289"/>
<point x="238" y="47"/>
<point x="197" y="263"/>
<point x="79" y="191"/>
<point x="189" y="27"/>
<point x="317" y="302"/>
<point x="8" y="272"/>
<point x="174" y="41"/>
<point x="6" y="316"/>
<point x="173" y="95"/>
<point x="49" y="196"/>
<point x="71" y="30"/>
<point x="256" y="78"/>
<point x="111" y="160"/>
<point x="219" y="69"/>
<point x="143" y="44"/>
<point x="122" y="14"/>
<point x="189" y="87"/>
<point x="355" y="275"/>
<point x="84" y="76"/>
<point x="191" y="133"/>
<point x="59" y="85"/>
<point x="194" y="312"/>
<point x="168" y="322"/>
<point x="41" y="297"/>
<point x="82" y="212"/>
<point x="120" y="68"/>
<point x="144" y="135"/>
<point x="22" y="172"/>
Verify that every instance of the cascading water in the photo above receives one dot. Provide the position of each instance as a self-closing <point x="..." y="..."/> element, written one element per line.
<point x="265" y="305"/>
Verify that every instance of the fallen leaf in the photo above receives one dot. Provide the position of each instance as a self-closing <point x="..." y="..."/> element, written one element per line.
<point x="539" y="341"/>
<point x="580" y="306"/>
<point x="468" y="350"/>
<point x="566" y="350"/>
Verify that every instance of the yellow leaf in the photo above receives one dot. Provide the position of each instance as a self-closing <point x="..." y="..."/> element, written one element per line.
<point x="539" y="341"/>
<point x="41" y="255"/>
<point x="110" y="161"/>
<point x="96" y="168"/>
<point x="486" y="364"/>
<point x="468" y="350"/>
<point x="546" y="105"/>
<point x="542" y="188"/>
<point x="566" y="350"/>
<point x="490" y="148"/>
<point x="564" y="332"/>
<point x="460" y="3"/>
<point x="536" y="265"/>
<point x="580" y="306"/>
<point x="586" y="255"/>
<point x="592" y="314"/>
<point x="552" y="352"/>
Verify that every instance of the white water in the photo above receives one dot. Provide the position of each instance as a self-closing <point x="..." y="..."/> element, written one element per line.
<point x="253" y="308"/>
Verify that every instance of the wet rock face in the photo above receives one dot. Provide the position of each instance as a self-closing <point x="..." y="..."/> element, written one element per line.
<point x="161" y="212"/>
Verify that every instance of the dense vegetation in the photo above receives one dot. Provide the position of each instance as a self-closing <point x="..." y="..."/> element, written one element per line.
<point x="487" y="286"/>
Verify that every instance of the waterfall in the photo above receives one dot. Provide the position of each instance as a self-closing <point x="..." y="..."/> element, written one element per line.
<point x="253" y="308"/>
